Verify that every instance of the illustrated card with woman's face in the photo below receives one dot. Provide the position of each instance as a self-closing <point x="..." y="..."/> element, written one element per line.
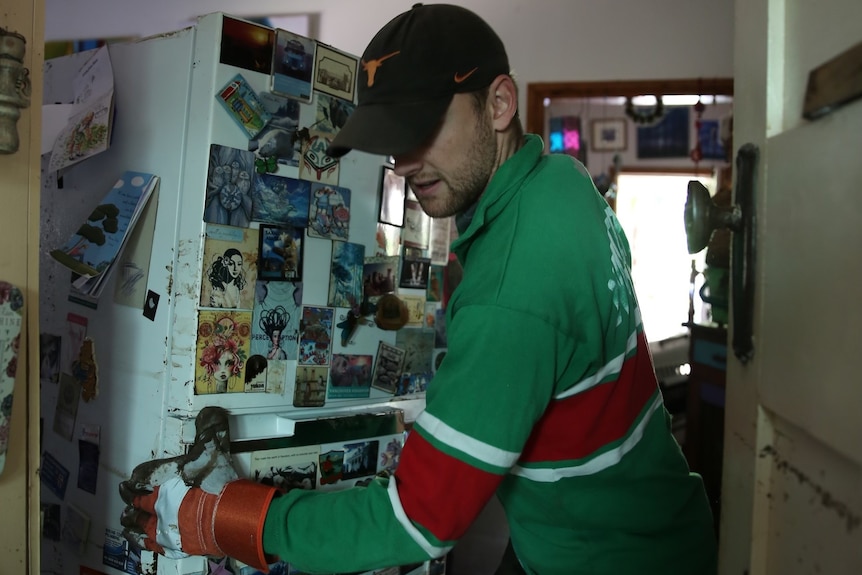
<point x="229" y="267"/>
<point x="224" y="339"/>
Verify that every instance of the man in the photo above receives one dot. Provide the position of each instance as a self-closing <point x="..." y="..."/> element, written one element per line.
<point x="547" y="396"/>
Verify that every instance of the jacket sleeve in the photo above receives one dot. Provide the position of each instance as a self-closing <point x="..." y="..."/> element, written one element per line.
<point x="493" y="385"/>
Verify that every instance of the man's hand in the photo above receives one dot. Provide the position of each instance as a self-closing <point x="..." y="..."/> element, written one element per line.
<point x="194" y="504"/>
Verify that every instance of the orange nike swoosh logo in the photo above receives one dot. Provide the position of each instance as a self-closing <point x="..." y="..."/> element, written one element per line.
<point x="461" y="77"/>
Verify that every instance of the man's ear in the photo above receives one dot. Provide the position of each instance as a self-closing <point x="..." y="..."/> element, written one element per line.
<point x="503" y="95"/>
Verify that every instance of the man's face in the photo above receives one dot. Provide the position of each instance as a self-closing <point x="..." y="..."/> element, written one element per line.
<point x="450" y="173"/>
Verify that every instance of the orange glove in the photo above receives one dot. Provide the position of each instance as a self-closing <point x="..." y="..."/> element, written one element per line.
<point x="194" y="504"/>
<point x="177" y="520"/>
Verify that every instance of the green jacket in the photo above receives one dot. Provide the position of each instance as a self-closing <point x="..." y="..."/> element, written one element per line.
<point x="547" y="398"/>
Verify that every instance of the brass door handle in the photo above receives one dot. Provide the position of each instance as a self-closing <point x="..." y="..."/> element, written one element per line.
<point x="703" y="216"/>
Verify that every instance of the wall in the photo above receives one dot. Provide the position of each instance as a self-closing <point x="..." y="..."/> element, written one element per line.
<point x="597" y="162"/>
<point x="547" y="40"/>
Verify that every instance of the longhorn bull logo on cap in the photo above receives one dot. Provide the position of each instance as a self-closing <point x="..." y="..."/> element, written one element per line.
<point x="371" y="66"/>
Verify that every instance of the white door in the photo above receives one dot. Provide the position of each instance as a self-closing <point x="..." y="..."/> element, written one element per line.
<point x="792" y="483"/>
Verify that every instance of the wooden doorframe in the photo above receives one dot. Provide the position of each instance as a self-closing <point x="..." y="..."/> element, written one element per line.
<point x="537" y="92"/>
<point x="20" y="190"/>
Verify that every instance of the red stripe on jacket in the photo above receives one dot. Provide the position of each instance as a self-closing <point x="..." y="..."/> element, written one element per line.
<point x="439" y="492"/>
<point x="575" y="427"/>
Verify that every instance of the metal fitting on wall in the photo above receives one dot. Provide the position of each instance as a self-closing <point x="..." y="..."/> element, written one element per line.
<point x="14" y="88"/>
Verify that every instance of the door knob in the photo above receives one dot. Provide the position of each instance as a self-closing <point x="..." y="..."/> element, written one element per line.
<point x="703" y="217"/>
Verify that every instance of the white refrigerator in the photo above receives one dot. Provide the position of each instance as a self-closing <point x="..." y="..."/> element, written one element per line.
<point x="140" y="341"/>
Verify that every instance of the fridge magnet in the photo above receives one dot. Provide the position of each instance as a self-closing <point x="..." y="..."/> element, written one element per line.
<point x="379" y="274"/>
<point x="228" y="198"/>
<point x="85" y="370"/>
<point x="273" y="323"/>
<point x="345" y="274"/>
<point x="54" y="475"/>
<point x="276" y="378"/>
<point x="360" y="459"/>
<point x="667" y="138"/>
<point x="329" y="212"/>
<point x="130" y="288"/>
<point x="331" y="466"/>
<point x="86" y="133"/>
<point x="414" y="272"/>
<point x="315" y="335"/>
<point x="430" y="313"/>
<point x="255" y="374"/>
<point x="49" y="357"/>
<point x="88" y="465"/>
<point x="114" y="549"/>
<point x="281" y="252"/>
<point x="92" y="433"/>
<point x="316" y="165"/>
<point x="76" y="331"/>
<point x="440" y="237"/>
<point x="332" y="113"/>
<point x="391" y="454"/>
<point x="349" y="322"/>
<point x="241" y="103"/>
<point x="66" y="409"/>
<point x="418" y="346"/>
<point x="286" y="468"/>
<point x="293" y="65"/>
<point x="151" y="305"/>
<point x="246" y="45"/>
<point x="275" y="320"/>
<point x="310" y="390"/>
<point x="391" y="313"/>
<point x="411" y="383"/>
<point x="350" y="376"/>
<point x="222" y="350"/>
<point x="393" y="193"/>
<point x="335" y="72"/>
<point x="230" y="267"/>
<point x="279" y="140"/>
<point x="387" y="367"/>
<point x="265" y="164"/>
<point x="50" y="520"/>
<point x="387" y="240"/>
<point x="76" y="527"/>
<point x="416" y="231"/>
<point x="608" y="134"/>
<point x="415" y="308"/>
<point x="92" y="250"/>
<point x="434" y="292"/>
<point x="11" y="318"/>
<point x="280" y="200"/>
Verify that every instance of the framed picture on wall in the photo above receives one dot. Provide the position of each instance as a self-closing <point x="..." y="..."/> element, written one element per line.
<point x="608" y="135"/>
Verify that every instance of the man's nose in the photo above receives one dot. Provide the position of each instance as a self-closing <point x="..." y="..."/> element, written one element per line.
<point x="407" y="164"/>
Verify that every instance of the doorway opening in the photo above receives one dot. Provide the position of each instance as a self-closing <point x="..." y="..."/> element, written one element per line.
<point x="650" y="209"/>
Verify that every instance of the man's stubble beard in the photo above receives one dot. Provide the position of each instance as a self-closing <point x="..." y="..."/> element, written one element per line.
<point x="470" y="179"/>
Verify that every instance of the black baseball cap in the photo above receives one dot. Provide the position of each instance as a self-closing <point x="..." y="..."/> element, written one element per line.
<point x="409" y="73"/>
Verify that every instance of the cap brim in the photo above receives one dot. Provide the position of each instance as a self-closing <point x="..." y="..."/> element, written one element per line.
<point x="389" y="129"/>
